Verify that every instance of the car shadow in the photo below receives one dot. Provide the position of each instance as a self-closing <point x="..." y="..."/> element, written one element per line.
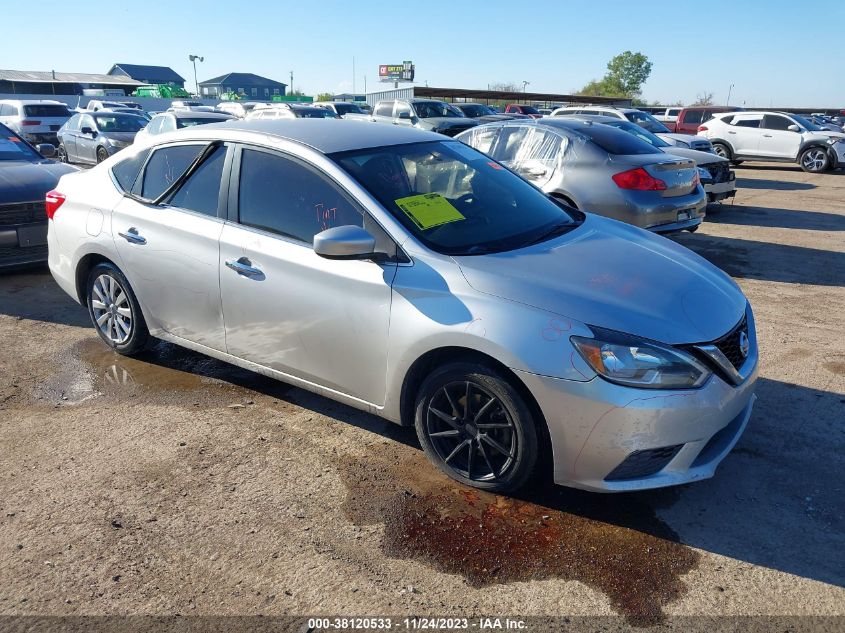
<point x="776" y="185"/>
<point x="775" y="218"/>
<point x="748" y="259"/>
<point x="33" y="294"/>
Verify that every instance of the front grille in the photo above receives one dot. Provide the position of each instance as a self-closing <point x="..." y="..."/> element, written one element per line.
<point x="729" y="344"/>
<point x="719" y="172"/>
<point x="700" y="146"/>
<point x="22" y="213"/>
<point x="644" y="463"/>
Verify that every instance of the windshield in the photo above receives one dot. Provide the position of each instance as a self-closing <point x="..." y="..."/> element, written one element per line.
<point x="639" y="132"/>
<point x="313" y="113"/>
<point x="346" y="108"/>
<point x="810" y="127"/>
<point x="476" y="110"/>
<point x="454" y="199"/>
<point x="46" y="110"/>
<point x="645" y="120"/>
<point x="431" y="109"/>
<point x="13" y="148"/>
<point x="119" y="122"/>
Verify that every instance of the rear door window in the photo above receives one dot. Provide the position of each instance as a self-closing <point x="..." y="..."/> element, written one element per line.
<point x="693" y="116"/>
<point x="385" y="108"/>
<point x="165" y="167"/>
<point x="201" y="191"/>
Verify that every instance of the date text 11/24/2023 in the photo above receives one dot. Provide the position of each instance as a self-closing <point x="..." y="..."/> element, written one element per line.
<point x="415" y="623"/>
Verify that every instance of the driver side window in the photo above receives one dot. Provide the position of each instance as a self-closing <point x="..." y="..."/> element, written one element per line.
<point x="776" y="122"/>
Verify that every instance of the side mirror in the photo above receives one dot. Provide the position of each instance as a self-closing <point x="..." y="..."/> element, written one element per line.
<point x="345" y="242"/>
<point x="88" y="130"/>
<point x="47" y="150"/>
<point x="794" y="128"/>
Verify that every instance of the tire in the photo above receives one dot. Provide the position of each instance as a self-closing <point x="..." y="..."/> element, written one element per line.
<point x="814" y="160"/>
<point x="498" y="458"/>
<point x="102" y="154"/>
<point x="111" y="301"/>
<point x="720" y="149"/>
<point x="62" y="154"/>
<point x="693" y="229"/>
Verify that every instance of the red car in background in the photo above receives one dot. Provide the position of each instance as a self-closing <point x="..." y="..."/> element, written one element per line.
<point x="690" y="118"/>
<point x="517" y="108"/>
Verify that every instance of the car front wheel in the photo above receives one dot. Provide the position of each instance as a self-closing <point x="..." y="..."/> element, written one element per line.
<point x="102" y="154"/>
<point x="114" y="310"/>
<point x="720" y="149"/>
<point x="814" y="159"/>
<point x="476" y="427"/>
<point x="62" y="154"/>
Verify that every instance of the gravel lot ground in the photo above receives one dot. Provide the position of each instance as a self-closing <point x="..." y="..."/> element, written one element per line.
<point x="173" y="483"/>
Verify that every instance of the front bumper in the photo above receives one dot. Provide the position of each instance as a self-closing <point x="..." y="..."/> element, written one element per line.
<point x="610" y="438"/>
<point x="720" y="190"/>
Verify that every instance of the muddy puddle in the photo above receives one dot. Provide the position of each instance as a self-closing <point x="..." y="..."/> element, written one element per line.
<point x="164" y="374"/>
<point x="614" y="544"/>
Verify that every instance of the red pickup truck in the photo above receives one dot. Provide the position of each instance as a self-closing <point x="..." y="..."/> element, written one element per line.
<point x="516" y="108"/>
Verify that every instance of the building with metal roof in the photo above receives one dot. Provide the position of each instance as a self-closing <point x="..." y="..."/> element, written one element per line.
<point x="148" y="74"/>
<point x="33" y="82"/>
<point x="245" y="84"/>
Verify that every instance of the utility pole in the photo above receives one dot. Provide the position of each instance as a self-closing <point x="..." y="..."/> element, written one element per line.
<point x="193" y="59"/>
<point x="728" y="102"/>
<point x="353" y="74"/>
<point x="291" y="82"/>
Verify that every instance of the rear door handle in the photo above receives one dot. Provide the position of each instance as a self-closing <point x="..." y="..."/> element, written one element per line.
<point x="767" y="135"/>
<point x="244" y="267"/>
<point x="731" y="132"/>
<point x="132" y="236"/>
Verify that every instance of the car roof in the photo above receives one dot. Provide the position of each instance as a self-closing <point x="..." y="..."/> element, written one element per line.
<point x="330" y="135"/>
<point x="35" y="101"/>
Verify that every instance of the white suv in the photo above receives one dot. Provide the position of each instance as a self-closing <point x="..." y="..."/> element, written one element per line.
<point x="774" y="136"/>
<point x="37" y="121"/>
<point x="644" y="120"/>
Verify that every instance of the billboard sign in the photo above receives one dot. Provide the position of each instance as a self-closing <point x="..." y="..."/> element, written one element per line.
<point x="396" y="72"/>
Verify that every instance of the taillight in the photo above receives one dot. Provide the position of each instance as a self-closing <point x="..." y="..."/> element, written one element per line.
<point x="702" y="128"/>
<point x="52" y="202"/>
<point x="638" y="179"/>
<point x="29" y="122"/>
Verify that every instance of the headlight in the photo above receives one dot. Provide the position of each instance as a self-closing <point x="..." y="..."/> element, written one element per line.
<point x="634" y="362"/>
<point x="681" y="144"/>
<point x="703" y="175"/>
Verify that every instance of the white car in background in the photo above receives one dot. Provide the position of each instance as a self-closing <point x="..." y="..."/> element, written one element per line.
<point x="644" y="120"/>
<point x="774" y="136"/>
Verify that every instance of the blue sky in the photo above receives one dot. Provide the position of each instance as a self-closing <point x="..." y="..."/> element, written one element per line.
<point x="775" y="53"/>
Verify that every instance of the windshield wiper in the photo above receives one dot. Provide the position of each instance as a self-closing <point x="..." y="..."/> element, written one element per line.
<point x="554" y="231"/>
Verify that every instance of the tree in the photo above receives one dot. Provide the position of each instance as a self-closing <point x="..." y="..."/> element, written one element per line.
<point x="704" y="99"/>
<point x="506" y="86"/>
<point x="626" y="74"/>
<point x="324" y="96"/>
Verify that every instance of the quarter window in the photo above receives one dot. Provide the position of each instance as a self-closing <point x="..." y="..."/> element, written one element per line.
<point x="126" y="171"/>
<point x="693" y="116"/>
<point x="201" y="191"/>
<point x="166" y="166"/>
<point x="284" y="196"/>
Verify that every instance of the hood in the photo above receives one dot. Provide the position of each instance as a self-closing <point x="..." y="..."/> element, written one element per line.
<point x="615" y="276"/>
<point x="685" y="138"/>
<point x="700" y="158"/>
<point x="449" y="121"/>
<point x="120" y="137"/>
<point x="492" y="118"/>
<point x="22" y="181"/>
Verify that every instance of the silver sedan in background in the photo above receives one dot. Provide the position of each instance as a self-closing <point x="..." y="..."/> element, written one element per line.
<point x="413" y="277"/>
<point x="91" y="137"/>
<point x="599" y="169"/>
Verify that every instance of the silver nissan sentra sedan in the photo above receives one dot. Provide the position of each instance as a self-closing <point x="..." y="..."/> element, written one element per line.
<point x="410" y="276"/>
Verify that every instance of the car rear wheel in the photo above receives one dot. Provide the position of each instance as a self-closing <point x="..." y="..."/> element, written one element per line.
<point x="476" y="427"/>
<point x="102" y="154"/>
<point x="814" y="159"/>
<point x="114" y="310"/>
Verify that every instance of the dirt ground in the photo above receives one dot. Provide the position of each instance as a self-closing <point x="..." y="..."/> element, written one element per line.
<point x="175" y="484"/>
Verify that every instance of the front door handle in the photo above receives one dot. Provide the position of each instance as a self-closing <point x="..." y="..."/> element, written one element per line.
<point x="132" y="236"/>
<point x="767" y="135"/>
<point x="731" y="132"/>
<point x="244" y="267"/>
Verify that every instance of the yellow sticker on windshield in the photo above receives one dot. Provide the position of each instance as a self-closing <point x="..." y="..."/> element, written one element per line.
<point x="429" y="210"/>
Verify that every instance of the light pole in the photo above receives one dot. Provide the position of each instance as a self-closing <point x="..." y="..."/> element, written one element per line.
<point x="194" y="58"/>
<point x="728" y="102"/>
<point x="291" y="82"/>
<point x="524" y="84"/>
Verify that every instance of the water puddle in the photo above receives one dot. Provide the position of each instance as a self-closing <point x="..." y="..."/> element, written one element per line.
<point x="614" y="544"/>
<point x="165" y="374"/>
